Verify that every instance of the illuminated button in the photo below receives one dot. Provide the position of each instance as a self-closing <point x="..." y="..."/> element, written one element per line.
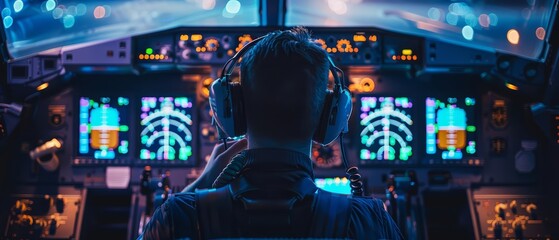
<point x="196" y="37"/>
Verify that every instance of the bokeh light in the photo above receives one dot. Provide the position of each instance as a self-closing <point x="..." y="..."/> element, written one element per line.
<point x="8" y="21"/>
<point x="6" y="12"/>
<point x="68" y="21"/>
<point x="81" y="9"/>
<point x="540" y="33"/>
<point x="108" y="10"/>
<point x="451" y="18"/>
<point x="72" y="10"/>
<point x="471" y="19"/>
<point x="208" y="4"/>
<point x="18" y="5"/>
<point x="493" y="19"/>
<point x="468" y="33"/>
<point x="50" y="5"/>
<point x="434" y="13"/>
<point x="513" y="36"/>
<point x="57" y="13"/>
<point x="99" y="12"/>
<point x="484" y="20"/>
<point x="233" y="6"/>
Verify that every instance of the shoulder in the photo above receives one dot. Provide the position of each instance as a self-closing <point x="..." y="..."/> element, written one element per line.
<point x="370" y="218"/>
<point x="178" y="210"/>
<point x="186" y="201"/>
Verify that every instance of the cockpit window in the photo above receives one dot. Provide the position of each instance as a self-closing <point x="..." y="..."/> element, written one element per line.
<point x="519" y="27"/>
<point x="38" y="25"/>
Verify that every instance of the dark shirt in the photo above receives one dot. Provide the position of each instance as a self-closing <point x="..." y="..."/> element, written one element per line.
<point x="265" y="168"/>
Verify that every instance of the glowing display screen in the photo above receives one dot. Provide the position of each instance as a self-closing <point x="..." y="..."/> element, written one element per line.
<point x="385" y="130"/>
<point x="166" y="129"/>
<point x="103" y="129"/>
<point x="450" y="129"/>
<point x="335" y="185"/>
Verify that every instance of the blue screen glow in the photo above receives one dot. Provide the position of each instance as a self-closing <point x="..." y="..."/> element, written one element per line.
<point x="166" y="129"/>
<point x="103" y="128"/>
<point x="335" y="185"/>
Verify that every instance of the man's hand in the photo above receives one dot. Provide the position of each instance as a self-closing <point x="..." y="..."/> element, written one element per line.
<point x="218" y="161"/>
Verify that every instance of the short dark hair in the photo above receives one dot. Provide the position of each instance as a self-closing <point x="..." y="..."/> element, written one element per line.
<point x="284" y="80"/>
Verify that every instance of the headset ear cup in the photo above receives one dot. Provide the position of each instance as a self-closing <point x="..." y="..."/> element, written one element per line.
<point x="324" y="116"/>
<point x="221" y="105"/>
<point x="334" y="117"/>
<point x="238" y="104"/>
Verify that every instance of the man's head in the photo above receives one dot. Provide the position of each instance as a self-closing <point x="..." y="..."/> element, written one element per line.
<point x="284" y="79"/>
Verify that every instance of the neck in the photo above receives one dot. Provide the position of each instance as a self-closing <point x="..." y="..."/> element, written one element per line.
<point x="293" y="145"/>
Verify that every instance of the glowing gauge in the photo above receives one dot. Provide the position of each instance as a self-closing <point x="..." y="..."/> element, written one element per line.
<point x="321" y="42"/>
<point x="206" y="87"/>
<point x="327" y="156"/>
<point x="344" y="45"/>
<point x="385" y="129"/>
<point x="367" y="84"/>
<point x="243" y="40"/>
<point x="166" y="125"/>
<point x="362" y="84"/>
<point x="211" y="44"/>
<point x="450" y="129"/>
<point x="103" y="129"/>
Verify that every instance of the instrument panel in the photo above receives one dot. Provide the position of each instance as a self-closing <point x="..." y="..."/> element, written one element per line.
<point x="194" y="47"/>
<point x="410" y="129"/>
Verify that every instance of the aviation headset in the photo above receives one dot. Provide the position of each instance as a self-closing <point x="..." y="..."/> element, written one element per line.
<point x="227" y="103"/>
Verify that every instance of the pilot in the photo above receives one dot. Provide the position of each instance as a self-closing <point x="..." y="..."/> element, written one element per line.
<point x="266" y="190"/>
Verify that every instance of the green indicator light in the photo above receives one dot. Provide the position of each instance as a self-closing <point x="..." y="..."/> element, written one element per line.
<point x="144" y="154"/>
<point x="188" y="151"/>
<point x="123" y="128"/>
<point x="149" y="50"/>
<point x="123" y="101"/>
<point x="471" y="149"/>
<point x="363" y="154"/>
<point x="470" y="101"/>
<point x="182" y="154"/>
<point x="403" y="157"/>
<point x="471" y="128"/>
<point x="364" y="139"/>
<point x="123" y="150"/>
